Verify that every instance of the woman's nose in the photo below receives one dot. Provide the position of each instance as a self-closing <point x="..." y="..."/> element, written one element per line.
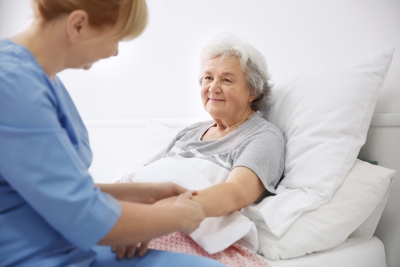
<point x="214" y="87"/>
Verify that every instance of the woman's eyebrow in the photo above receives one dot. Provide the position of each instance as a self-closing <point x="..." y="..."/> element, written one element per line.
<point x="228" y="73"/>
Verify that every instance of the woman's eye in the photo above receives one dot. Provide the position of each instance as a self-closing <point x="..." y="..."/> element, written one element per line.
<point x="207" y="78"/>
<point x="227" y="80"/>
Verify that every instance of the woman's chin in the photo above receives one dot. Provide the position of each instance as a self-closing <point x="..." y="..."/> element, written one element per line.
<point x="215" y="113"/>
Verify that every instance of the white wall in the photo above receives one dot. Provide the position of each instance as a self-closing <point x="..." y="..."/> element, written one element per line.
<point x="155" y="76"/>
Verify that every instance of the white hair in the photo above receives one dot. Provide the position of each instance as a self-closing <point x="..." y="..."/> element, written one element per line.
<point x="251" y="60"/>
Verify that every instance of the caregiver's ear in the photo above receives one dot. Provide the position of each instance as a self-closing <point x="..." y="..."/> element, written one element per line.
<point x="77" y="22"/>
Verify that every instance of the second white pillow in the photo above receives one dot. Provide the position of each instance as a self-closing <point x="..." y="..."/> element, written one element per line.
<point x="331" y="224"/>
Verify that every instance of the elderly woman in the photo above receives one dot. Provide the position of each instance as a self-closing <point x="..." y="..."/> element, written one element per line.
<point x="244" y="152"/>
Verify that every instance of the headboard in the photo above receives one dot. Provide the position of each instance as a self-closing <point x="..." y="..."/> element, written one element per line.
<point x="383" y="146"/>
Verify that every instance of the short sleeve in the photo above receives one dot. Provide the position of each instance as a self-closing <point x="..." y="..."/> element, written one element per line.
<point x="38" y="160"/>
<point x="264" y="154"/>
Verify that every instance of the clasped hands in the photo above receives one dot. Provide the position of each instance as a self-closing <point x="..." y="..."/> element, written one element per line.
<point x="162" y="194"/>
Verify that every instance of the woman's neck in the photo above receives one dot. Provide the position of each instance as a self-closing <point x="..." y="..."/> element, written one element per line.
<point x="224" y="127"/>
<point x="46" y="45"/>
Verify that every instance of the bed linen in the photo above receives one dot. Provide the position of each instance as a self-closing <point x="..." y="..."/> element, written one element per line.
<point x="233" y="256"/>
<point x="215" y="233"/>
<point x="370" y="253"/>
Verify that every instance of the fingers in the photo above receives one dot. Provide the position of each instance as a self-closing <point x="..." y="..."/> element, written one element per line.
<point x="130" y="251"/>
<point x="143" y="248"/>
<point x="177" y="189"/>
<point x="124" y="251"/>
<point x="120" y="251"/>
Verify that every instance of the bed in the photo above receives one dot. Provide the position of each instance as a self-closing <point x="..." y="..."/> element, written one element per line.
<point x="115" y="141"/>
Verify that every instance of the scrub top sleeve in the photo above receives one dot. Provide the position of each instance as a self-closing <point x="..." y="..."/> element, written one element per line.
<point x="40" y="163"/>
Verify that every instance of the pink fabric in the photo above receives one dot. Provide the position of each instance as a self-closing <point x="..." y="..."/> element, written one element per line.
<point x="234" y="256"/>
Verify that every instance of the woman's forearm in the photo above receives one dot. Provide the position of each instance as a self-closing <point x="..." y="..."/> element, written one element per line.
<point x="141" y="222"/>
<point x="241" y="189"/>
<point x="220" y="199"/>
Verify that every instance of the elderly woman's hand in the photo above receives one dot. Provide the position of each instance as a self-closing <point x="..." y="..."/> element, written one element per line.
<point x="130" y="251"/>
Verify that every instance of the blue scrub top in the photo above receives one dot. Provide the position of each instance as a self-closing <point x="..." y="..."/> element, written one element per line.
<point x="51" y="213"/>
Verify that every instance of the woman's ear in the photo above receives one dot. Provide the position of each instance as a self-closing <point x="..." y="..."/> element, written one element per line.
<point x="252" y="98"/>
<point x="77" y="22"/>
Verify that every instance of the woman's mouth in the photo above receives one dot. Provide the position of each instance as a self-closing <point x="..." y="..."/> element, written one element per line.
<point x="215" y="100"/>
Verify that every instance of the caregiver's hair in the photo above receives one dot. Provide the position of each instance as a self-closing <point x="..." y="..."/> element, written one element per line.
<point x="129" y="17"/>
<point x="251" y="60"/>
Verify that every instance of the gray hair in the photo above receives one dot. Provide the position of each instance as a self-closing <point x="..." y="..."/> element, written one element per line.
<point x="251" y="60"/>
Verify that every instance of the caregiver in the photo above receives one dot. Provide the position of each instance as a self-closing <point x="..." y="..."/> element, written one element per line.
<point x="51" y="213"/>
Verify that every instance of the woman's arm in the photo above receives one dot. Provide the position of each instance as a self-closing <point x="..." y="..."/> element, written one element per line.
<point x="242" y="188"/>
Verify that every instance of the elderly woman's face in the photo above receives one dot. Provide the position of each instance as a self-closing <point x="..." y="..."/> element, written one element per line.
<point x="224" y="89"/>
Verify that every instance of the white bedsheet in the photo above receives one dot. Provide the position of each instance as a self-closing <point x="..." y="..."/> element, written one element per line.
<point x="365" y="254"/>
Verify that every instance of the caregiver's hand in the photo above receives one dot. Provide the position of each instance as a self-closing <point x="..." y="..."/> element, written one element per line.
<point x="146" y="193"/>
<point x="139" y="222"/>
<point x="192" y="212"/>
<point x="165" y="190"/>
<point x="130" y="251"/>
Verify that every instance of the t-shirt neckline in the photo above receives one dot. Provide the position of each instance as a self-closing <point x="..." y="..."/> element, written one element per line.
<point x="212" y="123"/>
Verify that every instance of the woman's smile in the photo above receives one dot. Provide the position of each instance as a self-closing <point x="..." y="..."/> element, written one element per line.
<point x="215" y="100"/>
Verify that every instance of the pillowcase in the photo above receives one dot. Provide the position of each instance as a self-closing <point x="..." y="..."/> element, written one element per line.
<point x="324" y="115"/>
<point x="362" y="193"/>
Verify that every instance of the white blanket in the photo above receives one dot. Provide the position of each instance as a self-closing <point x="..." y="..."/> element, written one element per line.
<point x="214" y="234"/>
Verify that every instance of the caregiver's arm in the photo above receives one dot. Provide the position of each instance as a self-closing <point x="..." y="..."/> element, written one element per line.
<point x="139" y="222"/>
<point x="242" y="188"/>
<point x="146" y="193"/>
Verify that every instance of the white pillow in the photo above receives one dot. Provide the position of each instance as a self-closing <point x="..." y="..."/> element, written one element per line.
<point x="324" y="115"/>
<point x="360" y="194"/>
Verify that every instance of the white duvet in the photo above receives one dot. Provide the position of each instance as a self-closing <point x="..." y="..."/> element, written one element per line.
<point x="214" y="234"/>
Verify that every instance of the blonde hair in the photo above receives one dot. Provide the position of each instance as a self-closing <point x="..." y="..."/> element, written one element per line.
<point x="129" y="17"/>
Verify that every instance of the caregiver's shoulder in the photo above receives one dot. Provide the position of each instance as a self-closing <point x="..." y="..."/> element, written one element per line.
<point x="24" y="90"/>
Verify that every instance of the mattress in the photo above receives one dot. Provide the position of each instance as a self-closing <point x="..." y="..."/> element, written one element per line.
<point x="365" y="254"/>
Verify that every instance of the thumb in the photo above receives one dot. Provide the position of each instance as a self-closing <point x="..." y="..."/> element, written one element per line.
<point x="179" y="190"/>
<point x="187" y="195"/>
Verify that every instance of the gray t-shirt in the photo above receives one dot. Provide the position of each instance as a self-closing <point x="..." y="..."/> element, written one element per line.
<point x="255" y="144"/>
